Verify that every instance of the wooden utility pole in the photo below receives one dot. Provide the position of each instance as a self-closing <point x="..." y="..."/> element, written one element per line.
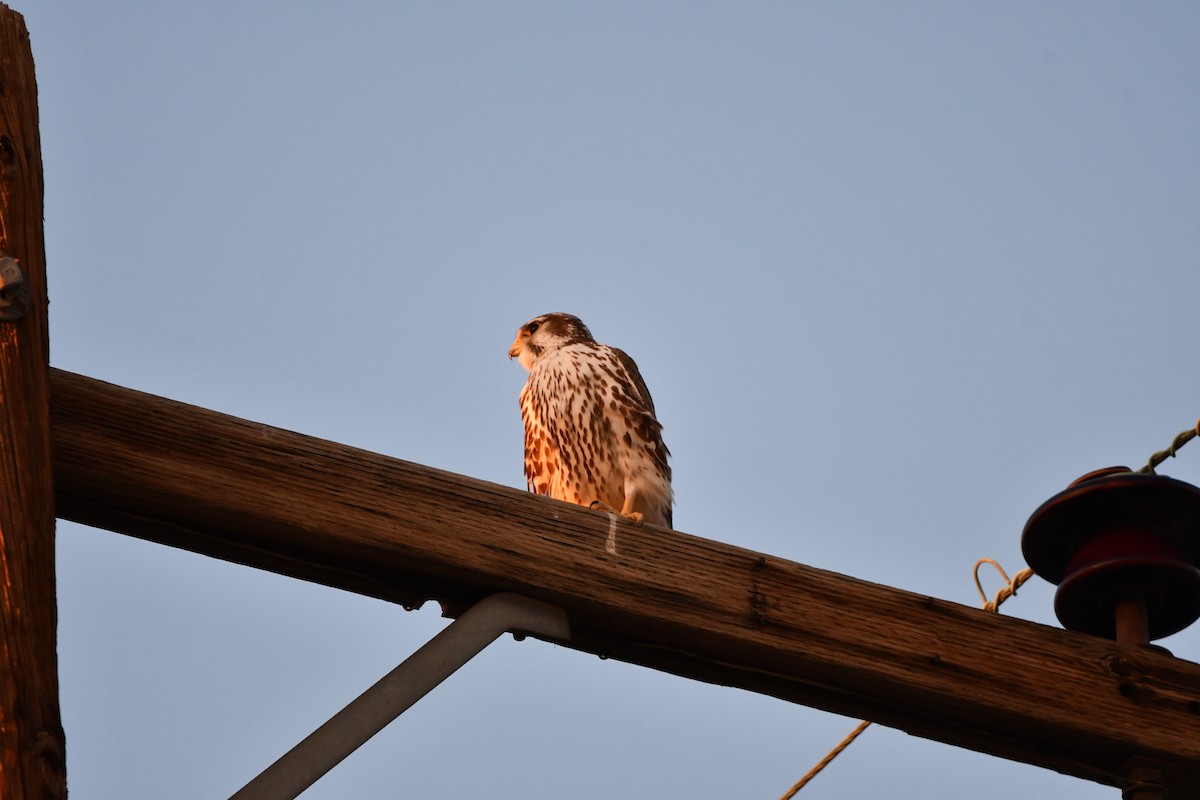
<point x="300" y="506"/>
<point x="32" y="763"/>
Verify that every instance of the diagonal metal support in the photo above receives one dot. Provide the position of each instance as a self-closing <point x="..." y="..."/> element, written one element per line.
<point x="397" y="691"/>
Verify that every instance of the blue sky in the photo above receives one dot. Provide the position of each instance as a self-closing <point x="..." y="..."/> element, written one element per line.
<point x="894" y="273"/>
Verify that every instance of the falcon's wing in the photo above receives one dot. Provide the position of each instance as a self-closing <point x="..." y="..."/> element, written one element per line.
<point x="630" y="366"/>
<point x="650" y="429"/>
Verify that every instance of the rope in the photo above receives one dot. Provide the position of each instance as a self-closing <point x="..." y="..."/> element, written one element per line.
<point x="993" y="605"/>
<point x="1008" y="590"/>
<point x="824" y="762"/>
<point x="1162" y="455"/>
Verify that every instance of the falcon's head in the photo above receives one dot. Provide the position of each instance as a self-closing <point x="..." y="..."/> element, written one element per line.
<point x="545" y="333"/>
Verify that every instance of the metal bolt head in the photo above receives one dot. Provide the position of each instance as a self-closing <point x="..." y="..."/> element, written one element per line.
<point x="15" y="298"/>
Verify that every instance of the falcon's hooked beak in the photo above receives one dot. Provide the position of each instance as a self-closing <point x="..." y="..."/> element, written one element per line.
<point x="521" y="351"/>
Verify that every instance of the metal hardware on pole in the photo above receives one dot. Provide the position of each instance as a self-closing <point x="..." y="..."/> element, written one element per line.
<point x="397" y="691"/>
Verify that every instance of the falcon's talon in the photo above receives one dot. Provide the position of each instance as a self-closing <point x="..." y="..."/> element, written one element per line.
<point x="635" y="517"/>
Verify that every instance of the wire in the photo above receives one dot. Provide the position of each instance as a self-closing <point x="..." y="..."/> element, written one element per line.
<point x="1162" y="455"/>
<point x="1007" y="591"/>
<point x="824" y="762"/>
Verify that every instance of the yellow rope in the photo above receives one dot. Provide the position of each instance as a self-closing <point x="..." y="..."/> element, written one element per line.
<point x="820" y="765"/>
<point x="1007" y="591"/>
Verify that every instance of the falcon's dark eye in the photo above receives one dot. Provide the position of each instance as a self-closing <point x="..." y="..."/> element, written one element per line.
<point x="533" y="326"/>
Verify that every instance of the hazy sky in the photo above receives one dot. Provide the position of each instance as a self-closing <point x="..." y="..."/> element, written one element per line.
<point x="895" y="273"/>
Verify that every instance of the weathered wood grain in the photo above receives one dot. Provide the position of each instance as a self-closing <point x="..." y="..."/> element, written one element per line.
<point x="32" y="745"/>
<point x="299" y="506"/>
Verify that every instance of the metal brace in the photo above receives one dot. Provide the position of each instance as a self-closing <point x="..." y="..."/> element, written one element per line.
<point x="15" y="298"/>
<point x="397" y="691"/>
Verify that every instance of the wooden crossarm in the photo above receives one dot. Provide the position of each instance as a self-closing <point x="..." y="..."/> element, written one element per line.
<point x="380" y="526"/>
